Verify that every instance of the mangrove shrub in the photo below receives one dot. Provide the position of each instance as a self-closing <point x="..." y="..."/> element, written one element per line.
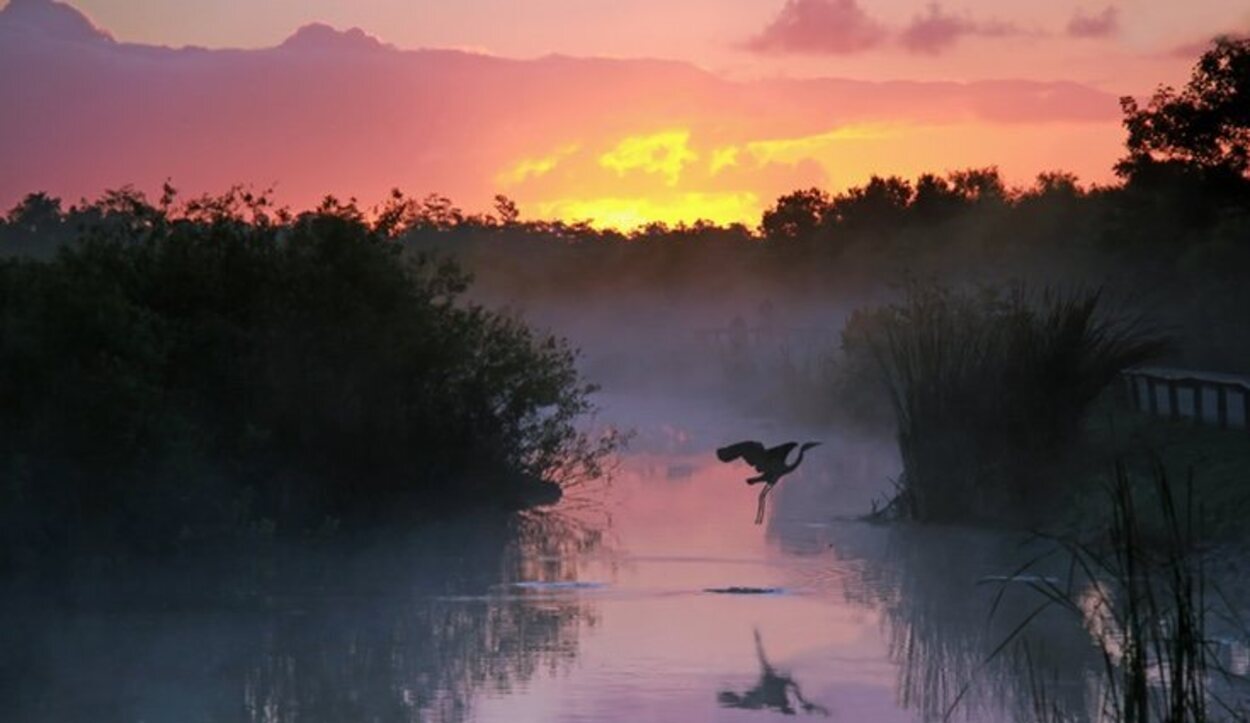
<point x="184" y="372"/>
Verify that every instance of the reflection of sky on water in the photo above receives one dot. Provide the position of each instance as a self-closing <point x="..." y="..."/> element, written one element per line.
<point x="663" y="647"/>
<point x="598" y="612"/>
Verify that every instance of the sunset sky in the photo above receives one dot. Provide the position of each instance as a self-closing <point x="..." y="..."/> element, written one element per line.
<point x="762" y="96"/>
<point x="1120" y="46"/>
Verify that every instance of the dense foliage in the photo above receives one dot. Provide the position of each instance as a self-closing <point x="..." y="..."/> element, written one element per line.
<point x="1205" y="127"/>
<point x="989" y="389"/>
<point x="190" y="371"/>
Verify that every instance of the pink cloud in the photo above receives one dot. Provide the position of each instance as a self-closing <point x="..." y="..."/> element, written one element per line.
<point x="1101" y="25"/>
<point x="54" y="20"/>
<point x="319" y="37"/>
<point x="1198" y="47"/>
<point x="936" y="31"/>
<point x="833" y="27"/>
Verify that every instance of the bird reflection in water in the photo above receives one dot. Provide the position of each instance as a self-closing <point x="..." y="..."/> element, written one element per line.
<point x="773" y="691"/>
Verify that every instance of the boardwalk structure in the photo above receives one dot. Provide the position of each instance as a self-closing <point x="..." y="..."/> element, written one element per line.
<point x="1220" y="400"/>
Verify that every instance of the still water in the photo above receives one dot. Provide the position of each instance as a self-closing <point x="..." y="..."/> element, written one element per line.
<point x="653" y="598"/>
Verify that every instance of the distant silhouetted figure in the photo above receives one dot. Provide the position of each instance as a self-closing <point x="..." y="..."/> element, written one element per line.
<point x="772" y="692"/>
<point x="770" y="462"/>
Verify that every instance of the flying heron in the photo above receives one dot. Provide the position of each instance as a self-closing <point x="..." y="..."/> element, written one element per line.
<point x="770" y="462"/>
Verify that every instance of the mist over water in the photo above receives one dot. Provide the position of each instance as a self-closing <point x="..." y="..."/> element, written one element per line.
<point x="646" y="596"/>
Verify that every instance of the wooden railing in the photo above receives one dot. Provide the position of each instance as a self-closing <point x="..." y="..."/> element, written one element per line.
<point x="1221" y="400"/>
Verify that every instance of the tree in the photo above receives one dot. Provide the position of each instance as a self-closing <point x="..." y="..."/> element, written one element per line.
<point x="1205" y="127"/>
<point x="438" y="212"/>
<point x="1056" y="184"/>
<point x="880" y="205"/>
<point x="37" y="213"/>
<point x="796" y="215"/>
<point x="979" y="184"/>
<point x="507" y="210"/>
<point x="934" y="199"/>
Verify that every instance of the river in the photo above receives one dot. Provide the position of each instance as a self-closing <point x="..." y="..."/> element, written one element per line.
<point x="652" y="597"/>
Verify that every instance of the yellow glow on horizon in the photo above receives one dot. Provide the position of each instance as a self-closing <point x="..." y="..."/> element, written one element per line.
<point x="723" y="158"/>
<point x="665" y="153"/>
<point x="528" y="168"/>
<point x="631" y="213"/>
<point x="683" y="175"/>
<point x="792" y="150"/>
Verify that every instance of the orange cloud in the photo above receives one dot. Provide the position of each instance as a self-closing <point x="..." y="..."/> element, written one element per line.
<point x="712" y="177"/>
<point x="723" y="158"/>
<point x="528" y="168"/>
<point x="664" y="153"/>
<point x="792" y="150"/>
<point x="703" y="178"/>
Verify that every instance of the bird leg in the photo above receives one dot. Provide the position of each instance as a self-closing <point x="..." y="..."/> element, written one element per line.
<point x="759" y="513"/>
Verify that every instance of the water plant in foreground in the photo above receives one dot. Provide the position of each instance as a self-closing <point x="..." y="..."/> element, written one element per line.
<point x="1149" y="608"/>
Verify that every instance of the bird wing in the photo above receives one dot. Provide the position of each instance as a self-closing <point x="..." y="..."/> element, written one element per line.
<point x="752" y="452"/>
<point x="778" y="455"/>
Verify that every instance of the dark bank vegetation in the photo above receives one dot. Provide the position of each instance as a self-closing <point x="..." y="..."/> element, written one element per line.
<point x="184" y="372"/>
<point x="1213" y="462"/>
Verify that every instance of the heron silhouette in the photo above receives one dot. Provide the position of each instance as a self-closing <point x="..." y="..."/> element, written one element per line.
<point x="770" y="462"/>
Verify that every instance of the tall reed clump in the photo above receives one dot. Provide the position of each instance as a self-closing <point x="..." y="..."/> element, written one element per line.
<point x="990" y="387"/>
<point x="1146" y="607"/>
